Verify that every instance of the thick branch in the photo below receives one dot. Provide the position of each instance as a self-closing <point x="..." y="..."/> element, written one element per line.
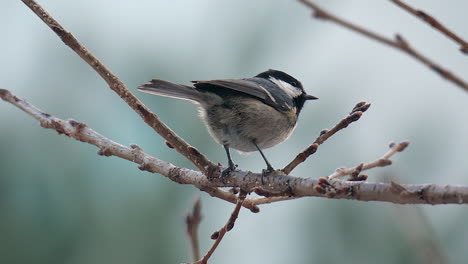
<point x="398" y="43"/>
<point x="274" y="185"/>
<point x="118" y="87"/>
<point x="434" y="23"/>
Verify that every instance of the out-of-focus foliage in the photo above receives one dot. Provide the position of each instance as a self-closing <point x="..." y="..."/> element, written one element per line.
<point x="61" y="203"/>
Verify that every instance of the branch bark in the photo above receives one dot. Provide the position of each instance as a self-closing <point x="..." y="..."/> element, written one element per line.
<point x="277" y="184"/>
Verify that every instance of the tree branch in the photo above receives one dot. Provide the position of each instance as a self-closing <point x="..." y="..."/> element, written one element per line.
<point x="107" y="147"/>
<point x="218" y="235"/>
<point x="398" y="43"/>
<point x="381" y="162"/>
<point x="341" y="172"/>
<point x="434" y="23"/>
<point x="229" y="197"/>
<point x="277" y="184"/>
<point x="118" y="87"/>
<point x="354" y="116"/>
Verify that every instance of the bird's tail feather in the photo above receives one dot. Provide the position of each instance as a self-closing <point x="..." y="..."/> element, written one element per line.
<point x="169" y="89"/>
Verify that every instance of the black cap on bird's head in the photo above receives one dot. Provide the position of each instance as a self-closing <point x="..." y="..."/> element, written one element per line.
<point x="279" y="75"/>
<point x="289" y="84"/>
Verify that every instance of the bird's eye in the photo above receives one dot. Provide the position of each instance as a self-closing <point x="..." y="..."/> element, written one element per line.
<point x="293" y="83"/>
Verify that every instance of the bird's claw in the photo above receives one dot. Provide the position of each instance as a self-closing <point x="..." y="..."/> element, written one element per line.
<point x="225" y="172"/>
<point x="266" y="172"/>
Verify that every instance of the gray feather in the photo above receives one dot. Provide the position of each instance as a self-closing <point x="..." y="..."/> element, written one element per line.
<point x="169" y="89"/>
<point x="261" y="88"/>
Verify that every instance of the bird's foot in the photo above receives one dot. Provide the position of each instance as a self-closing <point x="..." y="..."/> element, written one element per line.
<point x="232" y="167"/>
<point x="266" y="172"/>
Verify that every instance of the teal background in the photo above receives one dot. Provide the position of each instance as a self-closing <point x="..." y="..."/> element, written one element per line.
<point x="62" y="203"/>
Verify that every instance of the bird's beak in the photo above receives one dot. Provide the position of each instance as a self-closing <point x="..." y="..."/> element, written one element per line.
<point x="310" y="97"/>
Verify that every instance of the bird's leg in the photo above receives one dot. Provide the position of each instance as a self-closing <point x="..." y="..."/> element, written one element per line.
<point x="232" y="166"/>
<point x="269" y="169"/>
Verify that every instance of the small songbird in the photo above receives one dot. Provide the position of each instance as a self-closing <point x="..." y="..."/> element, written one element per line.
<point x="247" y="114"/>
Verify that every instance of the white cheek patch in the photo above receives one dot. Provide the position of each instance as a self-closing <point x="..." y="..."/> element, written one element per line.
<point x="288" y="88"/>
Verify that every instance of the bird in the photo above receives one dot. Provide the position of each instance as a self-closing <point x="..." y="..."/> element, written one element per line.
<point x="248" y="114"/>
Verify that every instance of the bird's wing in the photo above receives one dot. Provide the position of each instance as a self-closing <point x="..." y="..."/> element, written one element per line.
<point x="255" y="88"/>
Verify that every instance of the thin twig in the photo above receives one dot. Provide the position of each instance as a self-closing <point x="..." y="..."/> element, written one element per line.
<point x="381" y="162"/>
<point x="218" y="235"/>
<point x="398" y="43"/>
<point x="192" y="220"/>
<point x="434" y="23"/>
<point x="229" y="197"/>
<point x="268" y="200"/>
<point x="118" y="87"/>
<point x="354" y="116"/>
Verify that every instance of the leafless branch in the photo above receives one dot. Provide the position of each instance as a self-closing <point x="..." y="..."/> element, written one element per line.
<point x="218" y="235"/>
<point x="341" y="172"/>
<point x="118" y="87"/>
<point x="434" y="23"/>
<point x="398" y="43"/>
<point x="382" y="162"/>
<point x="272" y="199"/>
<point x="354" y="116"/>
<point x="192" y="220"/>
<point x="277" y="184"/>
<point x="107" y="147"/>
<point x="229" y="197"/>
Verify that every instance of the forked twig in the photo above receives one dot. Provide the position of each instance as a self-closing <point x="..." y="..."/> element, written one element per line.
<point x="229" y="197"/>
<point x="398" y="43"/>
<point x="381" y="162"/>
<point x="434" y="23"/>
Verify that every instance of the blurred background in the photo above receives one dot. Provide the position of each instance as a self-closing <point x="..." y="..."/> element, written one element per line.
<point x="62" y="203"/>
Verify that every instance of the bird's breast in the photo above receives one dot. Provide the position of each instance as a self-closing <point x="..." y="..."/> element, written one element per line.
<point x="240" y="121"/>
